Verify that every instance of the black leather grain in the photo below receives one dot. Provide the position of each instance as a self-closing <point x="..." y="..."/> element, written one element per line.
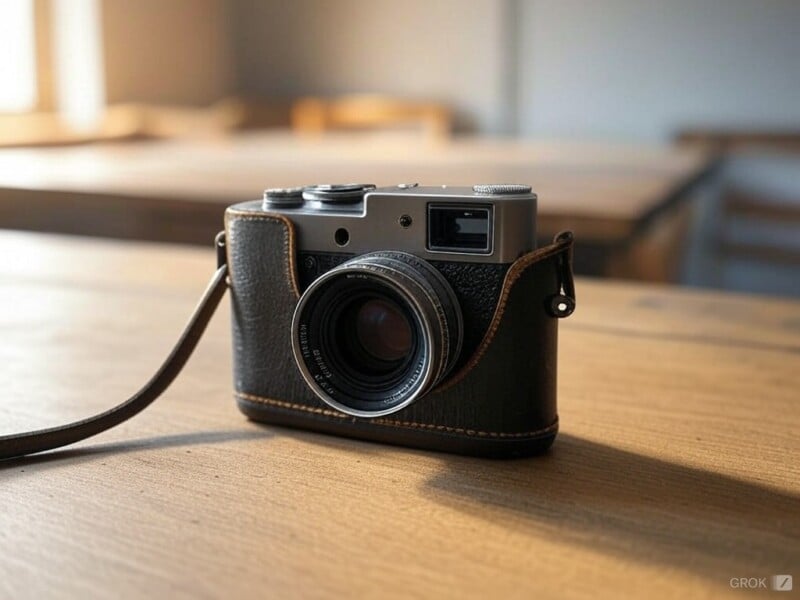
<point x="311" y="265"/>
<point x="477" y="288"/>
<point x="502" y="405"/>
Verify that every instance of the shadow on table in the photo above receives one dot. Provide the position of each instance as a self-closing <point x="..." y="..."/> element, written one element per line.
<point x="75" y="455"/>
<point x="636" y="507"/>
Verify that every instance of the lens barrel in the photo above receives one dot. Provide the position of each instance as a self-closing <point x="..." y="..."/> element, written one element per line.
<point x="374" y="334"/>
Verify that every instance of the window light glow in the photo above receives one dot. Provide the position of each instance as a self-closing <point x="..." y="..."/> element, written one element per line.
<point x="17" y="56"/>
<point x="80" y="85"/>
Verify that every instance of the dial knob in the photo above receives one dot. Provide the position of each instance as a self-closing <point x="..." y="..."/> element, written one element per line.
<point x="501" y="189"/>
<point x="283" y="197"/>
<point x="337" y="193"/>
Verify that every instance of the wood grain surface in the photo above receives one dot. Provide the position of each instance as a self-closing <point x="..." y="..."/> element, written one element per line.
<point x="176" y="190"/>
<point x="676" y="468"/>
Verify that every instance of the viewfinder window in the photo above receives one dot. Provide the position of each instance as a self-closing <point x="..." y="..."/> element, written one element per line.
<point x="460" y="229"/>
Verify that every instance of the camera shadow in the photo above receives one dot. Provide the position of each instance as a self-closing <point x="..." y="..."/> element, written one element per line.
<point x="636" y="507"/>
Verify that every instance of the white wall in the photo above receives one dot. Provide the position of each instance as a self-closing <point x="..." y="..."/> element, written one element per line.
<point x="645" y="68"/>
<point x="637" y="69"/>
<point x="451" y="50"/>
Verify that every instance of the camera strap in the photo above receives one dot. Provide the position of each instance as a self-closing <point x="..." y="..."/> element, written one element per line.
<point x="31" y="442"/>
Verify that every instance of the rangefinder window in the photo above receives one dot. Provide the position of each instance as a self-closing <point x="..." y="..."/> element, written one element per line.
<point x="460" y="228"/>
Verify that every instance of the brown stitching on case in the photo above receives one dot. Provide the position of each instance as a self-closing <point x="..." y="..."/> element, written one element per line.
<point x="291" y="405"/>
<point x="514" y="273"/>
<point x="288" y="240"/>
<point x="394" y="423"/>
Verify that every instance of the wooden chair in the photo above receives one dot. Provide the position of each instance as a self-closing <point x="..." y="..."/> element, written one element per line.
<point x="726" y="141"/>
<point x="317" y="115"/>
<point x="756" y="235"/>
<point x="747" y="236"/>
<point x="759" y="204"/>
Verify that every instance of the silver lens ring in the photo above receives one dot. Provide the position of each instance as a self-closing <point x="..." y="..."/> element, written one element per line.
<point x="323" y="333"/>
<point x="439" y="293"/>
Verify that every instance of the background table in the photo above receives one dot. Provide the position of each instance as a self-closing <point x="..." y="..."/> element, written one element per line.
<point x="609" y="194"/>
<point x="676" y="468"/>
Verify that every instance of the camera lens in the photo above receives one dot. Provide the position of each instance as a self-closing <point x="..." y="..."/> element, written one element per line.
<point x="383" y="330"/>
<point x="377" y="332"/>
<point x="369" y="340"/>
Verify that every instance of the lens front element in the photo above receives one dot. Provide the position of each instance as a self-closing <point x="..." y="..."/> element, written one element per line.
<point x="377" y="332"/>
<point x="382" y="330"/>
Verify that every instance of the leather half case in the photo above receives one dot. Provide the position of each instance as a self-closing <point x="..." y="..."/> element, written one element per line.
<point x="501" y="403"/>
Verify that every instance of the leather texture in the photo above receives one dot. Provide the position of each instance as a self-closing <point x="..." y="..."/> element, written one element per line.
<point x="500" y="402"/>
<point x="311" y="265"/>
<point x="477" y="287"/>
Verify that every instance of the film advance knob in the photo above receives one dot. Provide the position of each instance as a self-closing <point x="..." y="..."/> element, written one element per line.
<point x="500" y="189"/>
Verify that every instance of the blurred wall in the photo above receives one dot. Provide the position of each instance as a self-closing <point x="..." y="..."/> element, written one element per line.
<point x="612" y="68"/>
<point x="642" y="69"/>
<point x="450" y="50"/>
<point x="167" y="51"/>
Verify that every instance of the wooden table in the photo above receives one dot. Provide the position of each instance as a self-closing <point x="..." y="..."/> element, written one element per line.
<point x="676" y="468"/>
<point x="609" y="194"/>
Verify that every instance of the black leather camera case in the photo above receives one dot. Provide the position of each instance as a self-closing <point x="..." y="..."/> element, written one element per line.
<point x="500" y="401"/>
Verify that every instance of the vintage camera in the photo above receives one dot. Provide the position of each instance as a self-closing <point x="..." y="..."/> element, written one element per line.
<point x="420" y="316"/>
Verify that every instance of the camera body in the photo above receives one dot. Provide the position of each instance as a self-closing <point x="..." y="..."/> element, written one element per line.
<point x="419" y="316"/>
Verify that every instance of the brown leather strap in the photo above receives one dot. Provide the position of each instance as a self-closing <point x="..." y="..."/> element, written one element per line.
<point x="31" y="442"/>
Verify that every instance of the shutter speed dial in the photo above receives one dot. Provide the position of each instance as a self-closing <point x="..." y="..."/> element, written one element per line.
<point x="501" y="189"/>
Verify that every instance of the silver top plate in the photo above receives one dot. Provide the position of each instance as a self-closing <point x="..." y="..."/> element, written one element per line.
<point x="397" y="218"/>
